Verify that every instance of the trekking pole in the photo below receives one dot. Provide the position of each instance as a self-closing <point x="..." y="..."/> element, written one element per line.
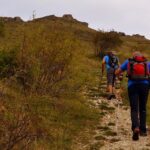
<point x="118" y="103"/>
<point x="117" y="116"/>
<point x="117" y="109"/>
<point x="100" y="80"/>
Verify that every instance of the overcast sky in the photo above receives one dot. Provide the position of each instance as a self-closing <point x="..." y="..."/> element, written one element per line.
<point x="129" y="16"/>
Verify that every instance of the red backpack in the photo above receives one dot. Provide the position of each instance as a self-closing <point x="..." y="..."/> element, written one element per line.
<point x="137" y="68"/>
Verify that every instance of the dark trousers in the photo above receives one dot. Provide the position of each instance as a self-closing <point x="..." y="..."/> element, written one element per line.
<point x="138" y="95"/>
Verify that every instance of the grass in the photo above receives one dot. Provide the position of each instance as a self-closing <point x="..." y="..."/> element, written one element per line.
<point x="56" y="122"/>
<point x="110" y="133"/>
<point x="148" y="111"/>
<point x="102" y="114"/>
<point x="103" y="128"/>
<point x="44" y="67"/>
<point x="100" y="137"/>
<point x="104" y="107"/>
<point x="111" y="124"/>
<point x="114" y="140"/>
<point x="52" y="66"/>
<point x="96" y="146"/>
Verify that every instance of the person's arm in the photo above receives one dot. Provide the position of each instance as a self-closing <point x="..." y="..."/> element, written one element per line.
<point x="118" y="62"/>
<point x="122" y="68"/>
<point x="118" y="71"/>
<point x="119" y="74"/>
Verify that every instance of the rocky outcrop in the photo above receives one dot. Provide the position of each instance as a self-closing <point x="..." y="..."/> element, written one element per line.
<point x="11" y="19"/>
<point x="69" y="17"/>
<point x="18" y="19"/>
<point x="139" y="36"/>
<point x="50" y="17"/>
<point x="121" y="33"/>
<point x="65" y="17"/>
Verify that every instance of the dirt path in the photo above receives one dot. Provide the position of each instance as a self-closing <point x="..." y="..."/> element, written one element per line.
<point x="118" y="134"/>
<point x="114" y="129"/>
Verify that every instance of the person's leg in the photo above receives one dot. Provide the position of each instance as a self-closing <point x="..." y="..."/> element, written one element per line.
<point x="113" y="84"/>
<point x="110" y="87"/>
<point x="143" y="96"/>
<point x="110" y="82"/>
<point x="107" y="88"/>
<point x="134" y="102"/>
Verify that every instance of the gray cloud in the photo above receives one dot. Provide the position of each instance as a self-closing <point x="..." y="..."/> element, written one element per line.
<point x="127" y="16"/>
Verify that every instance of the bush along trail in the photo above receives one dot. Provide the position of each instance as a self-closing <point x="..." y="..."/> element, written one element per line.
<point x="113" y="131"/>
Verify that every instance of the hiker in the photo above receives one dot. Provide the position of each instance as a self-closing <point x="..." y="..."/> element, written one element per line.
<point x="112" y="63"/>
<point x="138" y="70"/>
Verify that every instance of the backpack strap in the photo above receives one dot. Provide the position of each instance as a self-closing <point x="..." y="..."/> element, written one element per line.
<point x="111" y="62"/>
<point x="146" y="68"/>
<point x="131" y="63"/>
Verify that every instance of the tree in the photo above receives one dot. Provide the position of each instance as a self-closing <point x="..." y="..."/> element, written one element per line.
<point x="105" y="41"/>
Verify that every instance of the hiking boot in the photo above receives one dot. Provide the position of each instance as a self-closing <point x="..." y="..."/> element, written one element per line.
<point x="135" y="136"/>
<point x="109" y="97"/>
<point x="143" y="133"/>
<point x="113" y="96"/>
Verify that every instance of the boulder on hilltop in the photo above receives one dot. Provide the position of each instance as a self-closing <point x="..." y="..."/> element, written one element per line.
<point x="11" y="19"/>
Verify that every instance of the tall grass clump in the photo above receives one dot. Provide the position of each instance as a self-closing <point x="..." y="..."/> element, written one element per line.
<point x="105" y="41"/>
<point x="42" y="78"/>
<point x="2" y="29"/>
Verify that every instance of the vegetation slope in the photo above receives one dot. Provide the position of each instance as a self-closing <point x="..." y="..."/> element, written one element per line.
<point x="45" y="67"/>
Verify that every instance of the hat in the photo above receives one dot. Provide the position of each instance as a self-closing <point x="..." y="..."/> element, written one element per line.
<point x="137" y="53"/>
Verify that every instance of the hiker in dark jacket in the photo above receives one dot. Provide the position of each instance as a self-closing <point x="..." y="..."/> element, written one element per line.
<point x="112" y="63"/>
<point x="138" y="70"/>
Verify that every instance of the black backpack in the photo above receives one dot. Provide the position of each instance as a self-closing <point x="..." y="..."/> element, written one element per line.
<point x="113" y="61"/>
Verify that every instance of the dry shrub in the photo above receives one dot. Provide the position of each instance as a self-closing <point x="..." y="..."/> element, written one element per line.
<point x="105" y="41"/>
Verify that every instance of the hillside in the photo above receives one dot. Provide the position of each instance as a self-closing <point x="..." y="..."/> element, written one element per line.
<point x="46" y="67"/>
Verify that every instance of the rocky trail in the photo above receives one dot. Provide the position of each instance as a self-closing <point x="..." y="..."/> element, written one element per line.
<point x="114" y="129"/>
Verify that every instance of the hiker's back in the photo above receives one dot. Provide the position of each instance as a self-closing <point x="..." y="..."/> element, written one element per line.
<point x="112" y="61"/>
<point x="137" y="68"/>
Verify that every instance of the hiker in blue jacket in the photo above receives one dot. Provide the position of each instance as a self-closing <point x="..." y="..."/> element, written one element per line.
<point x="138" y="70"/>
<point x="112" y="63"/>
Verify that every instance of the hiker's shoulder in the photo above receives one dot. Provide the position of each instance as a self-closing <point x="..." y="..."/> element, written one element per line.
<point x="124" y="64"/>
<point x="106" y="57"/>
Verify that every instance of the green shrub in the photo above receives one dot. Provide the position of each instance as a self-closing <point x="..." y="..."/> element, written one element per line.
<point x="7" y="63"/>
<point x="106" y="40"/>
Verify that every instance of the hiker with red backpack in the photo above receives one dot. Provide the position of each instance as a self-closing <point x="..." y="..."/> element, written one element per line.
<point x="138" y="71"/>
<point x="112" y="63"/>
